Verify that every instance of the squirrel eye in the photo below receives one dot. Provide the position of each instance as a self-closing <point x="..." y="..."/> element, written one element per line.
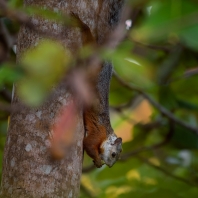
<point x="113" y="154"/>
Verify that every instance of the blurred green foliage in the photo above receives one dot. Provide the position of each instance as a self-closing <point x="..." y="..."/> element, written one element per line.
<point x="41" y="72"/>
<point x="159" y="56"/>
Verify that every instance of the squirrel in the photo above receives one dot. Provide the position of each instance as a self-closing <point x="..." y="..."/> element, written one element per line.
<point x="100" y="141"/>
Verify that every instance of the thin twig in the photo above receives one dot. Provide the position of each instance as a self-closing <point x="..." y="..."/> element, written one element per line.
<point x="6" y="95"/>
<point x="169" y="64"/>
<point x="5" y="107"/>
<point x="88" y="168"/>
<point x="160" y="108"/>
<point x="116" y="36"/>
<point x="127" y="118"/>
<point x="155" y="47"/>
<point x="132" y="103"/>
<point x="166" y="172"/>
<point x="139" y="150"/>
<point x="152" y="125"/>
<point x="155" y="146"/>
<point x="24" y="19"/>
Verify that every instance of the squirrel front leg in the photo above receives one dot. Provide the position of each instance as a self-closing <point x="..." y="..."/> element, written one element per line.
<point x="95" y="135"/>
<point x="92" y="151"/>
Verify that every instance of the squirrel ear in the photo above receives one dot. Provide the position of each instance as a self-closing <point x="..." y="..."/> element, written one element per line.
<point x="118" y="141"/>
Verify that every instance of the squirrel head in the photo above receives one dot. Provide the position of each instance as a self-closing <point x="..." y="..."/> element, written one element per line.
<point x="111" y="149"/>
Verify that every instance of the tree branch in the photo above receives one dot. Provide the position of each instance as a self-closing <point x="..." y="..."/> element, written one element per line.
<point x="133" y="102"/>
<point x="88" y="168"/>
<point x="160" y="108"/>
<point x="6" y="95"/>
<point x="5" y="107"/>
<point x="167" y="172"/>
<point x="155" y="146"/>
<point x="154" y="47"/>
<point x="23" y="19"/>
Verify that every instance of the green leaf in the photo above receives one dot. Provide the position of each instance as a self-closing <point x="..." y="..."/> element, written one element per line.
<point x="9" y="75"/>
<point x="189" y="36"/>
<point x="44" y="66"/>
<point x="186" y="89"/>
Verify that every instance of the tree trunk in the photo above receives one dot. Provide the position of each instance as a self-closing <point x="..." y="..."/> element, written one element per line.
<point x="28" y="170"/>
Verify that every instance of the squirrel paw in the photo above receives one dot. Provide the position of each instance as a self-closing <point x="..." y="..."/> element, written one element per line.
<point x="98" y="164"/>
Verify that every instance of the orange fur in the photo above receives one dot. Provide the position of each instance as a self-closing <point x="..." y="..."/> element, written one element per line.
<point x="96" y="134"/>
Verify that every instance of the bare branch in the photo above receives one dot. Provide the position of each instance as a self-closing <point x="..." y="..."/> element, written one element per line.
<point x="154" y="47"/>
<point x="114" y="39"/>
<point x="88" y="168"/>
<point x="133" y="102"/>
<point x="5" y="107"/>
<point x="24" y="19"/>
<point x="169" y="64"/>
<point x="160" y="108"/>
<point x="6" y="95"/>
<point x="155" y="146"/>
<point x="166" y="172"/>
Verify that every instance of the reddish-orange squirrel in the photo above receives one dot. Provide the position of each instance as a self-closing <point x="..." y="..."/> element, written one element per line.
<point x="100" y="142"/>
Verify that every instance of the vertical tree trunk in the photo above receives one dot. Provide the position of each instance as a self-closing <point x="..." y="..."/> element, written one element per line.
<point x="28" y="170"/>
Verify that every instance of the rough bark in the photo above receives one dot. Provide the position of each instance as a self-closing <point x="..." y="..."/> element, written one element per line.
<point x="28" y="170"/>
